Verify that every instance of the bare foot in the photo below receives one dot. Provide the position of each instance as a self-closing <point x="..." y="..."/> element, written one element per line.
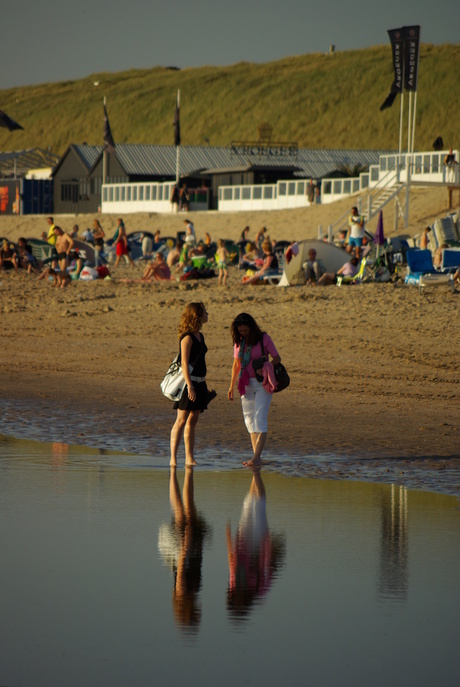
<point x="191" y="463"/>
<point x="254" y="463"/>
<point x="173" y="463"/>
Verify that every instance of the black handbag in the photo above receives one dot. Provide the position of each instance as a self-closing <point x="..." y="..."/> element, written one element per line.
<point x="282" y="377"/>
<point x="281" y="374"/>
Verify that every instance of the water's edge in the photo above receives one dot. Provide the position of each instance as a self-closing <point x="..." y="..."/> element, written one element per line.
<point x="48" y="422"/>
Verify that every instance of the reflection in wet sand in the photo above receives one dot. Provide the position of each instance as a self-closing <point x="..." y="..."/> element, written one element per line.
<point x="181" y="547"/>
<point x="255" y="556"/>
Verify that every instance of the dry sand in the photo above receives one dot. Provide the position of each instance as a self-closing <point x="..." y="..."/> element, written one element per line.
<point x="374" y="368"/>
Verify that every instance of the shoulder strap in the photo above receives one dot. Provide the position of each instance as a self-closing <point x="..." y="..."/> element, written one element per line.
<point x="262" y="344"/>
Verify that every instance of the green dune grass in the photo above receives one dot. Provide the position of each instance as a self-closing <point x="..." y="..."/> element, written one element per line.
<point x="316" y="100"/>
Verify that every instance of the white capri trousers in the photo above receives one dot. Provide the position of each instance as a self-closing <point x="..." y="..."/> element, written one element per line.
<point x="255" y="403"/>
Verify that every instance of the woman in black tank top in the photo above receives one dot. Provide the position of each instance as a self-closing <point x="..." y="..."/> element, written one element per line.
<point x="195" y="397"/>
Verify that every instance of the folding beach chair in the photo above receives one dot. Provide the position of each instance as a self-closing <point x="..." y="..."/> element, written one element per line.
<point x="358" y="278"/>
<point x="421" y="271"/>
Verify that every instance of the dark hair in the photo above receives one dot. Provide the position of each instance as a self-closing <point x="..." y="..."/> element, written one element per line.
<point x="255" y="333"/>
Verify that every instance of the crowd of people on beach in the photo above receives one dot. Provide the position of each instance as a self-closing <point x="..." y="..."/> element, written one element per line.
<point x="92" y="255"/>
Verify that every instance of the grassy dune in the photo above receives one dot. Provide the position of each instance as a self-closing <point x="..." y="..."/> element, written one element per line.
<point x="317" y="100"/>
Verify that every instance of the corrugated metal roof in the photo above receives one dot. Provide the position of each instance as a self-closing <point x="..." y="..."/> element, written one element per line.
<point x="88" y="154"/>
<point x="160" y="160"/>
<point x="20" y="161"/>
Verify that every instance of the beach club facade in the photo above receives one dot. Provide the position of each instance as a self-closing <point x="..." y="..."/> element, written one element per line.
<point x="140" y="178"/>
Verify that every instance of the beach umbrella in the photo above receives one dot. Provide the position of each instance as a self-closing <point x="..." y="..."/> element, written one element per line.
<point x="379" y="238"/>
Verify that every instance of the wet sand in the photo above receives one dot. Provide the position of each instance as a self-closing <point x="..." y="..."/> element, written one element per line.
<point x="374" y="368"/>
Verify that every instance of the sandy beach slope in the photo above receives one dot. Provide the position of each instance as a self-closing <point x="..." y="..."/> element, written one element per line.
<point x="375" y="368"/>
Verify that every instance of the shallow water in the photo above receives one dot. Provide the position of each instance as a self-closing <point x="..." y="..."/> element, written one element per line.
<point x="113" y="574"/>
<point x="134" y="433"/>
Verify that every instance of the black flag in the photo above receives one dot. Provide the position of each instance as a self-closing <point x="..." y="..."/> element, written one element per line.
<point x="109" y="144"/>
<point x="405" y="46"/>
<point x="9" y="123"/>
<point x="411" y="53"/>
<point x="397" y="49"/>
<point x="176" y="124"/>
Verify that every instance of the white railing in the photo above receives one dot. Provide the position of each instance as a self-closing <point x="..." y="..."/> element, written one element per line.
<point x="426" y="167"/>
<point x="147" y="197"/>
<point x="291" y="193"/>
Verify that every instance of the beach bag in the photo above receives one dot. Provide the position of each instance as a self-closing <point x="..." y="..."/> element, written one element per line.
<point x="280" y="371"/>
<point x="282" y="377"/>
<point x="173" y="383"/>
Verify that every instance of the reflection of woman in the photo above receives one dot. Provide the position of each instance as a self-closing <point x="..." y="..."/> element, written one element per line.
<point x="255" y="556"/>
<point x="195" y="397"/>
<point x="181" y="547"/>
<point x="254" y="384"/>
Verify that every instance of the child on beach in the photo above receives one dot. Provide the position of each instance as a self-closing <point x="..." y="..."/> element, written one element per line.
<point x="221" y="261"/>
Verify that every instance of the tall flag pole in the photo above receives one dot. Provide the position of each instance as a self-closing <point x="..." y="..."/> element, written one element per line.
<point x="109" y="144"/>
<point x="405" y="45"/>
<point x="9" y="123"/>
<point x="177" y="140"/>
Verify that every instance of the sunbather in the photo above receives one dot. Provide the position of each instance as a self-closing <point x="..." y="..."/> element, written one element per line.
<point x="350" y="269"/>
<point x="270" y="265"/>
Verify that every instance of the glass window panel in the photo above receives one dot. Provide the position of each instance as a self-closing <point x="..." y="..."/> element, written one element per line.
<point x="246" y="193"/>
<point x="426" y="164"/>
<point x="117" y="193"/>
<point x="236" y="193"/>
<point x="435" y="164"/>
<point x="291" y="188"/>
<point x="282" y="188"/>
<point x="160" y="192"/>
<point x="141" y="193"/>
<point x="228" y="193"/>
<point x="337" y="186"/>
<point x="268" y="192"/>
<point x="123" y="193"/>
<point x="111" y="194"/>
<point x="147" y="193"/>
<point x="301" y="188"/>
<point x="347" y="186"/>
<point x="154" y="192"/>
<point x="134" y="192"/>
<point x="128" y="193"/>
<point x="257" y="195"/>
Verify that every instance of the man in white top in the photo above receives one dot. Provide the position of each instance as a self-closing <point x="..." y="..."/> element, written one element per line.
<point x="356" y="225"/>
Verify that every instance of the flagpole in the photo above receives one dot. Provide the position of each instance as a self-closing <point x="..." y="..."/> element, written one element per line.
<point x="178" y="146"/>
<point x="413" y="121"/>
<point x="104" y="157"/>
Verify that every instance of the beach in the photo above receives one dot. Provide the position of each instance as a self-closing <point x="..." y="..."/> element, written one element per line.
<point x="374" y="368"/>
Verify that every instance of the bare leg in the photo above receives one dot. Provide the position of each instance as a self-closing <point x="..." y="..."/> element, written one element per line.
<point x="189" y="437"/>
<point x="258" y="440"/>
<point x="176" y="434"/>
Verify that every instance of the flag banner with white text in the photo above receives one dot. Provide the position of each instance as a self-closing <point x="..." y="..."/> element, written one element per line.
<point x="405" y="47"/>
